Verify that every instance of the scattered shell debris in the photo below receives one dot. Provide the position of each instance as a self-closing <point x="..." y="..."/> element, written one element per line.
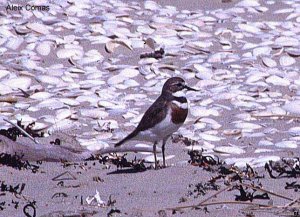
<point x="79" y="71"/>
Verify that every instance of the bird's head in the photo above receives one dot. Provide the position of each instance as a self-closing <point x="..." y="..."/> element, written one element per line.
<point x="176" y="86"/>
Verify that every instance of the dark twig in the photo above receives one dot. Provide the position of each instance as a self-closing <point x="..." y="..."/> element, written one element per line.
<point x="297" y="200"/>
<point x="275" y="116"/>
<point x="202" y="202"/>
<point x="235" y="202"/>
<point x="215" y="194"/>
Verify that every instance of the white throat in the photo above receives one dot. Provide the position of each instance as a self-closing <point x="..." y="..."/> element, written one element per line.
<point x="180" y="93"/>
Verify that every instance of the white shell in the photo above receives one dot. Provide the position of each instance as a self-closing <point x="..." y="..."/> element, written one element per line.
<point x="287" y="61"/>
<point x="286" y="144"/>
<point x="151" y="5"/>
<point x="129" y="73"/>
<point x="4" y="89"/>
<point x="14" y="43"/>
<point x="203" y="72"/>
<point x="249" y="126"/>
<point x="233" y="132"/>
<point x="199" y="111"/>
<point x="117" y="79"/>
<point x="63" y="114"/>
<point x="44" y="48"/>
<point x="262" y="160"/>
<point x="39" y="126"/>
<point x="269" y="62"/>
<point x="38" y="27"/>
<point x="63" y="126"/>
<point x="293" y="106"/>
<point x="265" y="143"/>
<point x="41" y="95"/>
<point x="4" y="73"/>
<point x="276" y="80"/>
<point x="286" y="41"/>
<point x="49" y="79"/>
<point x="93" y="144"/>
<point x="262" y="51"/>
<point x="69" y="52"/>
<point x="228" y="150"/>
<point x="249" y="28"/>
<point x="70" y="102"/>
<point x="239" y="162"/>
<point x="94" y="113"/>
<point x="111" y="46"/>
<point x="294" y="131"/>
<point x="50" y="104"/>
<point x="248" y="3"/>
<point x="209" y="137"/>
<point x="20" y="82"/>
<point x="253" y="162"/>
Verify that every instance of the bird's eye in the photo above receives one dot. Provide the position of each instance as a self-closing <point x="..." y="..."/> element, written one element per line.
<point x="179" y="84"/>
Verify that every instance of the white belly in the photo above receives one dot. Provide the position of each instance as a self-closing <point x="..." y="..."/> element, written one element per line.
<point x="160" y="131"/>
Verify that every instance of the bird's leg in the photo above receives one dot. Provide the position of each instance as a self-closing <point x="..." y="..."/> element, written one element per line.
<point x="163" y="152"/>
<point x="155" y="158"/>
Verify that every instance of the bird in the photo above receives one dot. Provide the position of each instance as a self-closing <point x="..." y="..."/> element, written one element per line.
<point x="164" y="117"/>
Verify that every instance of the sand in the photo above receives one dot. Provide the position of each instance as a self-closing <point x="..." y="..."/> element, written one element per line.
<point x="136" y="193"/>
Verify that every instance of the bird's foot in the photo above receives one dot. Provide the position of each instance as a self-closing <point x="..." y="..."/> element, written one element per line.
<point x="158" y="166"/>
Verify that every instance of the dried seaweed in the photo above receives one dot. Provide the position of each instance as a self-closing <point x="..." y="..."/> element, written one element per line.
<point x="201" y="188"/>
<point x="249" y="194"/>
<point x="113" y="211"/>
<point x="17" y="189"/>
<point x="207" y="162"/>
<point x="122" y="162"/>
<point x="12" y="189"/>
<point x="13" y="132"/>
<point x="287" y="167"/>
<point x="293" y="185"/>
<point x="233" y="177"/>
<point x="16" y="162"/>
<point x="101" y="159"/>
<point x="158" y="54"/>
<point x="111" y="202"/>
<point x="186" y="141"/>
<point x="55" y="142"/>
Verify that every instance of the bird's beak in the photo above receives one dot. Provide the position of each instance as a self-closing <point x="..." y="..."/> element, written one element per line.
<point x="189" y="88"/>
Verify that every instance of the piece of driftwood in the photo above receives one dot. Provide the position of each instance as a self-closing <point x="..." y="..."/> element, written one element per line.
<point x="56" y="153"/>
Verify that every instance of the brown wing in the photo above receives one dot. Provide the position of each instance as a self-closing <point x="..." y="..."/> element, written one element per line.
<point x="152" y="116"/>
<point x="156" y="113"/>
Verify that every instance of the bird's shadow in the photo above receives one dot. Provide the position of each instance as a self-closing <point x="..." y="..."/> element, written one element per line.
<point x="126" y="171"/>
<point x="133" y="170"/>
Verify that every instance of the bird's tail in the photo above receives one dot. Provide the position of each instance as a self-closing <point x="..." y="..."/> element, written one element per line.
<point x="130" y="136"/>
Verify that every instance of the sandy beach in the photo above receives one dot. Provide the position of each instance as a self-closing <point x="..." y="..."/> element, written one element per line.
<point x="76" y="70"/>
